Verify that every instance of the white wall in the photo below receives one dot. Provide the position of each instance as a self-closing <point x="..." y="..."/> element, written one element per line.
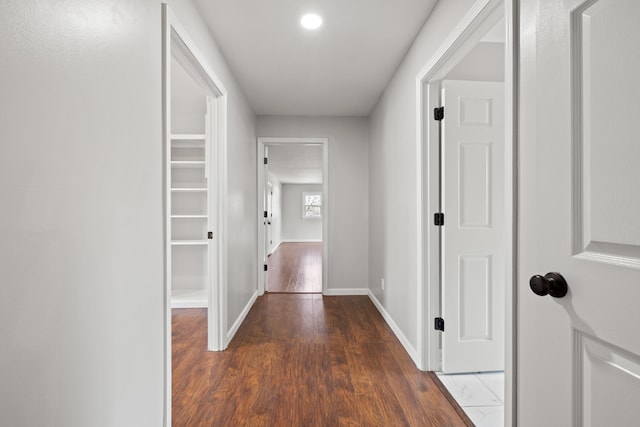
<point x="393" y="225"/>
<point x="348" y="189"/>
<point x="188" y="102"/>
<point x="484" y="63"/>
<point x="294" y="227"/>
<point x="81" y="217"/>
<point x="276" y="212"/>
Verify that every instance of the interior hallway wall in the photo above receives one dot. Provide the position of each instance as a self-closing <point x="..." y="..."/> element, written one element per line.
<point x="295" y="228"/>
<point x="348" y="190"/>
<point x="393" y="226"/>
<point x="81" y="217"/>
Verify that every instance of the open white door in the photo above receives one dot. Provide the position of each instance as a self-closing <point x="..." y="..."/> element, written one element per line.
<point x="579" y="355"/>
<point x="473" y="236"/>
<point x="265" y="200"/>
<point x="269" y="218"/>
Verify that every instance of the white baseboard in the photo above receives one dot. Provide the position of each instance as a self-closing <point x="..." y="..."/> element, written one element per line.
<point x="236" y="325"/>
<point x="189" y="304"/>
<point x="395" y="328"/>
<point x="301" y="241"/>
<point x="275" y="248"/>
<point x="189" y="298"/>
<point x="347" y="291"/>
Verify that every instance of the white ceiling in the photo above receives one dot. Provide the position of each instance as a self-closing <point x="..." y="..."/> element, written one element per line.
<point x="296" y="164"/>
<point x="339" y="70"/>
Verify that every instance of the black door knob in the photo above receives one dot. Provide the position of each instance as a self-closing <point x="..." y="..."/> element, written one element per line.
<point x="551" y="283"/>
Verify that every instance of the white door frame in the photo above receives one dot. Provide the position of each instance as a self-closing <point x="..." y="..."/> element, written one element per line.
<point x="176" y="43"/>
<point x="481" y="17"/>
<point x="262" y="188"/>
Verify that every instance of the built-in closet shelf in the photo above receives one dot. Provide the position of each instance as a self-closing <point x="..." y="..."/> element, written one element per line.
<point x="189" y="242"/>
<point x="187" y="136"/>
<point x="189" y="190"/>
<point x="199" y="185"/>
<point x="189" y="216"/>
<point x="187" y="163"/>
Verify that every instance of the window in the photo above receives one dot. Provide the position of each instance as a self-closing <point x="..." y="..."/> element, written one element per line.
<point x="312" y="204"/>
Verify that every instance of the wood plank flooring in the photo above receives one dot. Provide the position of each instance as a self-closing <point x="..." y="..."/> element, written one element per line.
<point x="295" y="268"/>
<point x="303" y="360"/>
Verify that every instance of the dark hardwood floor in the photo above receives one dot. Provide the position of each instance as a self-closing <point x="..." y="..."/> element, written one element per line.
<point x="303" y="360"/>
<point x="295" y="268"/>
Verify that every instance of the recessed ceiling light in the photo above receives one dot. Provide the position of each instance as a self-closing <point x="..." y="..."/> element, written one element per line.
<point x="311" y="21"/>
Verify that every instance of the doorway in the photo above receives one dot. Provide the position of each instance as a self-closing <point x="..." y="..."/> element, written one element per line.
<point x="292" y="224"/>
<point x="468" y="213"/>
<point x="194" y="166"/>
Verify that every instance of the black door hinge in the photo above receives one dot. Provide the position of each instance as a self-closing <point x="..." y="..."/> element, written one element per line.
<point x="439" y="324"/>
<point x="266" y="161"/>
<point x="265" y="214"/>
<point x="209" y="234"/>
<point x="438" y="113"/>
<point x="265" y="267"/>
<point x="438" y="219"/>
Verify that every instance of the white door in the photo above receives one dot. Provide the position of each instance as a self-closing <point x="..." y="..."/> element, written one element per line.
<point x="269" y="218"/>
<point x="473" y="257"/>
<point x="579" y="213"/>
<point x="265" y="202"/>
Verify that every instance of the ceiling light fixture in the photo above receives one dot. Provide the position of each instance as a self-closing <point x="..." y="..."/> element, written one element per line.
<point x="311" y="21"/>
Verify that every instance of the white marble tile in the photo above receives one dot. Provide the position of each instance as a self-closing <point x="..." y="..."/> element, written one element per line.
<point x="486" y="416"/>
<point x="495" y="382"/>
<point x="468" y="390"/>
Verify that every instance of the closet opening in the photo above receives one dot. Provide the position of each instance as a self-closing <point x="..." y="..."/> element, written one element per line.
<point x="194" y="165"/>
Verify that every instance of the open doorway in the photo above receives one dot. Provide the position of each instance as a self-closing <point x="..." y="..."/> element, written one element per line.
<point x="293" y="224"/>
<point x="466" y="120"/>
<point x="194" y="138"/>
<point x="472" y="249"/>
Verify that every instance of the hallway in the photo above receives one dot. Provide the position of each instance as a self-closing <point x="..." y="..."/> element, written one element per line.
<point x="295" y="268"/>
<point x="303" y="360"/>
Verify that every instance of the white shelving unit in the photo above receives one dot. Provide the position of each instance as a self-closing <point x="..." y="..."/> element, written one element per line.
<point x="189" y="195"/>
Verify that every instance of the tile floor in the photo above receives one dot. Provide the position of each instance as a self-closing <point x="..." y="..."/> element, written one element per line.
<point x="480" y="395"/>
